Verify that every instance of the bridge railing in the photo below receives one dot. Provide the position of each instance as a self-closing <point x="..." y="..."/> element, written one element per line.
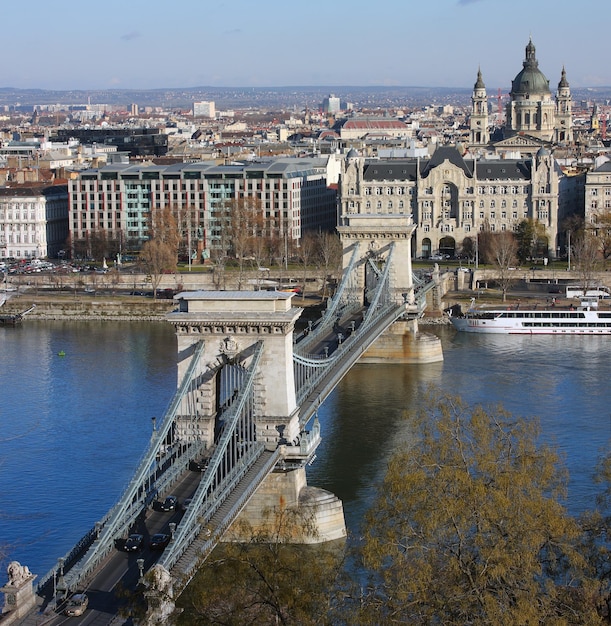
<point x="236" y="451"/>
<point x="319" y="376"/>
<point x="148" y="479"/>
<point x="188" y="570"/>
<point x="337" y="306"/>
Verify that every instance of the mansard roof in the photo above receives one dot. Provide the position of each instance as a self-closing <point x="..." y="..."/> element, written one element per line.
<point x="503" y="169"/>
<point x="604" y="167"/>
<point x="391" y="169"/>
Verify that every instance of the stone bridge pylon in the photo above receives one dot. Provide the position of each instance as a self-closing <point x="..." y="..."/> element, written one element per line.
<point x="370" y="241"/>
<point x="231" y="325"/>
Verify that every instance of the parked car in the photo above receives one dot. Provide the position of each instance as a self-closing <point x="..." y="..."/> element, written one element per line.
<point x="77" y="605"/>
<point x="134" y="543"/>
<point x="169" y="504"/>
<point x="159" y="541"/>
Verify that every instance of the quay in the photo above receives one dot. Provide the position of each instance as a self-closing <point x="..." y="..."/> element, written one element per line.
<point x="13" y="319"/>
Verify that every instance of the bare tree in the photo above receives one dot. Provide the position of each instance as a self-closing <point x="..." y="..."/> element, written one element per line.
<point x="160" y="252"/>
<point x="306" y="254"/>
<point x="329" y="253"/>
<point x="503" y="249"/>
<point x="602" y="229"/>
<point x="585" y="250"/>
<point x="220" y="246"/>
<point x="245" y="226"/>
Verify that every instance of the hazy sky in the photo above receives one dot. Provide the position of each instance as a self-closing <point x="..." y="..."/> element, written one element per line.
<point x="142" y="44"/>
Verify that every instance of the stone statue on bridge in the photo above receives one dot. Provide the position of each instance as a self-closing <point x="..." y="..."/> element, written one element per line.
<point x="17" y="573"/>
<point x="19" y="596"/>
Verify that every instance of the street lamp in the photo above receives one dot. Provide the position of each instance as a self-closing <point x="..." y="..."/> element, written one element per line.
<point x="140" y="563"/>
<point x="60" y="588"/>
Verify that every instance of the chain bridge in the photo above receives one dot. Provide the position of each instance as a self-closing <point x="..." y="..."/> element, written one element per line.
<point x="245" y="413"/>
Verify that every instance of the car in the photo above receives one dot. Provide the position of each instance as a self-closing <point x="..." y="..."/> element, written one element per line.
<point x="159" y="541"/>
<point x="77" y="605"/>
<point x="134" y="543"/>
<point x="169" y="504"/>
<point x="199" y="466"/>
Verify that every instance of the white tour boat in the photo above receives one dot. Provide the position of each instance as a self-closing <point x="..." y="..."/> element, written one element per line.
<point x="586" y="319"/>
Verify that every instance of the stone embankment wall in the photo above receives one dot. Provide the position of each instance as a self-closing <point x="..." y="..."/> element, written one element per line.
<point x="110" y="309"/>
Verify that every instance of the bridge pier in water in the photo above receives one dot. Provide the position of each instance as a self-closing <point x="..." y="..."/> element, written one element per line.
<point x="230" y="324"/>
<point x="370" y="242"/>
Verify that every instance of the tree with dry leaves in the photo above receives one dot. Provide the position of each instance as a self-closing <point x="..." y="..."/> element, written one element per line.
<point x="468" y="527"/>
<point x="160" y="252"/>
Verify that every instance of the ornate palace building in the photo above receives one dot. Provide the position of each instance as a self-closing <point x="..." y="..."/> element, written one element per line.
<point x="451" y="198"/>
<point x="457" y="192"/>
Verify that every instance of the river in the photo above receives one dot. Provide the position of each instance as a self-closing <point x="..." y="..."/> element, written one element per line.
<point x="77" y="401"/>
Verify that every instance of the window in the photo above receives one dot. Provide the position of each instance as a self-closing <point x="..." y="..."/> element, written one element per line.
<point x="492" y="215"/>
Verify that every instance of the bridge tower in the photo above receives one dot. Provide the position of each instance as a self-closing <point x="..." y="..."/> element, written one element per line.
<point x="372" y="218"/>
<point x="375" y="219"/>
<point x="231" y="325"/>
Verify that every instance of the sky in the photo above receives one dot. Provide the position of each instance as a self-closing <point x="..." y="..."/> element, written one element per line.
<point x="150" y="44"/>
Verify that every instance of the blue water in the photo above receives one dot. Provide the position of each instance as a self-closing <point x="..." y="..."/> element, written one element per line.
<point x="75" y="426"/>
<point x="562" y="381"/>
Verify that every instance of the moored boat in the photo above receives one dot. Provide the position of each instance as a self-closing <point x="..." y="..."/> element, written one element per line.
<point x="585" y="319"/>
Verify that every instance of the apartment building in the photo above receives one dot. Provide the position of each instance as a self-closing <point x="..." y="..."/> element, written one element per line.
<point x="119" y="199"/>
<point x="33" y="220"/>
<point x="598" y="192"/>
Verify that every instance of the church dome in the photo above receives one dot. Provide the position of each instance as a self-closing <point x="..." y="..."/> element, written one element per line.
<point x="530" y="81"/>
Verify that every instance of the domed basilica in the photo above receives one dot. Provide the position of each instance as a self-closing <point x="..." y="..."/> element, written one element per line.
<point x="533" y="116"/>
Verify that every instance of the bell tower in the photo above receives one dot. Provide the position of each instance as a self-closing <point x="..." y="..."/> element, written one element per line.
<point x="564" y="116"/>
<point x="478" y="122"/>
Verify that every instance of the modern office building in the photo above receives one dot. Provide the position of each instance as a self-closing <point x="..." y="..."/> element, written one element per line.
<point x="204" y="109"/>
<point x="331" y="104"/>
<point x="119" y="199"/>
<point x="137" y="142"/>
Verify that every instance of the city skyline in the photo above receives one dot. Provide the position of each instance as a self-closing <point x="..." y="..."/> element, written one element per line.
<point x="149" y="44"/>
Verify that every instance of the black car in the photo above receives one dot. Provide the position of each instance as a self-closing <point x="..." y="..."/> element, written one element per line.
<point x="159" y="541"/>
<point x="199" y="466"/>
<point x="134" y="543"/>
<point x="169" y="504"/>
